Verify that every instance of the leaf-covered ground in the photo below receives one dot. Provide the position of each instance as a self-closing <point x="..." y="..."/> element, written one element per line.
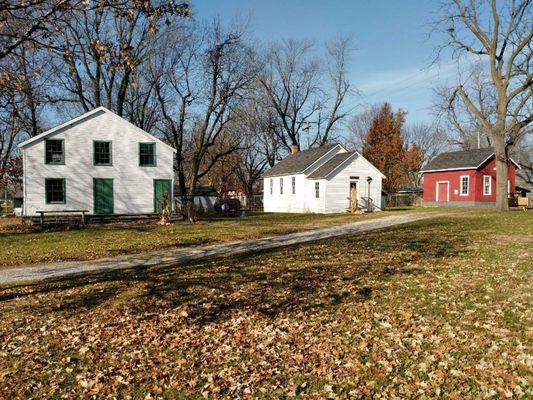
<point x="436" y="309"/>
<point x="21" y="245"/>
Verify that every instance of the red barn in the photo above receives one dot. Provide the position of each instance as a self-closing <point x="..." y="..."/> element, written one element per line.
<point x="464" y="178"/>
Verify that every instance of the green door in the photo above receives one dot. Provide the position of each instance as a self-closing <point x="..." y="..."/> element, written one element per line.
<point x="162" y="186"/>
<point x="103" y="196"/>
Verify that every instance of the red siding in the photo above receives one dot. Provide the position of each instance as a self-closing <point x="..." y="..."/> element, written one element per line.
<point x="475" y="192"/>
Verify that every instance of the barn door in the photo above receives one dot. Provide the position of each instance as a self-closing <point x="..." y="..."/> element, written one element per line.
<point x="103" y="196"/>
<point x="162" y="186"/>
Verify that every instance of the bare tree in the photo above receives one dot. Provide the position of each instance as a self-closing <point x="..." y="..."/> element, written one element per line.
<point x="463" y="127"/>
<point x="200" y="87"/>
<point x="260" y="146"/>
<point x="523" y="155"/>
<point x="332" y="107"/>
<point x="103" y="48"/>
<point x="501" y="35"/>
<point x="24" y="83"/>
<point x="32" y="22"/>
<point x="358" y="127"/>
<point x="37" y="22"/>
<point x="430" y="139"/>
<point x="293" y="84"/>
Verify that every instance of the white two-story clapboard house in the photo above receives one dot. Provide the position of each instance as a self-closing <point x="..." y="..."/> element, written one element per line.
<point x="97" y="162"/>
<point x="322" y="180"/>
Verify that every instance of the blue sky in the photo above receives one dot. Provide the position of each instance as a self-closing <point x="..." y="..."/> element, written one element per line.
<point x="392" y="60"/>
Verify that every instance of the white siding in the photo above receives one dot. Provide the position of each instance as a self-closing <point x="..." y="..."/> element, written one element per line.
<point x="314" y="204"/>
<point x="132" y="184"/>
<point x="338" y="185"/>
<point x="334" y="191"/>
<point x="286" y="202"/>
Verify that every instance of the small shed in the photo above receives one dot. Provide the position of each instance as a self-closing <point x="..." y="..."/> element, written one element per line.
<point x="205" y="198"/>
<point x="464" y="178"/>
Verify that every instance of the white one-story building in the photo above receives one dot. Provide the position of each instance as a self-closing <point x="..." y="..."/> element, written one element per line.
<point x="97" y="162"/>
<point x="322" y="180"/>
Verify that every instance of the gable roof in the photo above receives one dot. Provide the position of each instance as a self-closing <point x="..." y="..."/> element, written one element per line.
<point x="337" y="161"/>
<point x="332" y="164"/>
<point x="85" y="116"/>
<point x="459" y="160"/>
<point x="300" y="161"/>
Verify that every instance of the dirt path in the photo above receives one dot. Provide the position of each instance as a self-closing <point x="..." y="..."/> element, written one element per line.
<point x="39" y="272"/>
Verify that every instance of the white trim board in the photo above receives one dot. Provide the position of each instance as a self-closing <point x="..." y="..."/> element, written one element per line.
<point x="490" y="185"/>
<point x="461" y="185"/>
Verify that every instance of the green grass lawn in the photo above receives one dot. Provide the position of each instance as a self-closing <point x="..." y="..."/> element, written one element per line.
<point x="25" y="247"/>
<point x="439" y="308"/>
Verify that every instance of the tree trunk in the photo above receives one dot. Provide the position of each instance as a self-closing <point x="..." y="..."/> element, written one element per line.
<point x="502" y="172"/>
<point x="192" y="215"/>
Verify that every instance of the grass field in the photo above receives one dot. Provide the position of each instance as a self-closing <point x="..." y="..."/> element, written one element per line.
<point x="439" y="308"/>
<point x="25" y="247"/>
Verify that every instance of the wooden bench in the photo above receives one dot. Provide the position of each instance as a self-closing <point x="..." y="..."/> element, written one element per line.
<point x="41" y="213"/>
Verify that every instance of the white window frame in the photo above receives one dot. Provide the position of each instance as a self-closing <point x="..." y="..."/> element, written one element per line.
<point x="508" y="186"/>
<point x="271" y="186"/>
<point x="280" y="186"/>
<point x="447" y="191"/>
<point x="461" y="185"/>
<point x="317" y="190"/>
<point x="293" y="185"/>
<point x="484" y="185"/>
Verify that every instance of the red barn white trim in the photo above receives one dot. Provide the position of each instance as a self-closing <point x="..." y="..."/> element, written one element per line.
<point x="465" y="178"/>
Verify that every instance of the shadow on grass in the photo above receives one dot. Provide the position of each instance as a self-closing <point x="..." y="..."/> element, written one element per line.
<point x="306" y="277"/>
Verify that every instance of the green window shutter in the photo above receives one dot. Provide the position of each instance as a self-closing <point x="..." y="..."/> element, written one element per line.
<point x="102" y="153"/>
<point x="147" y="155"/>
<point x="55" y="190"/>
<point x="54" y="151"/>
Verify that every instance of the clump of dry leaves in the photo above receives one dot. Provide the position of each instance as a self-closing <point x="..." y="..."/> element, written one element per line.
<point x="438" y="308"/>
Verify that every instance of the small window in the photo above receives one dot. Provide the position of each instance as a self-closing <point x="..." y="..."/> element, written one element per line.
<point x="102" y="153"/>
<point x="54" y="151"/>
<point x="55" y="190"/>
<point x="464" y="185"/>
<point x="317" y="189"/>
<point x="280" y="185"/>
<point x="271" y="186"/>
<point x="293" y="185"/>
<point x="487" y="183"/>
<point x="147" y="155"/>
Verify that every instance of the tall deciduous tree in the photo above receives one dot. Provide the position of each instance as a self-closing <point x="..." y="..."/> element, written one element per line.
<point x="199" y="88"/>
<point x="103" y="48"/>
<point x="302" y="89"/>
<point x="384" y="147"/>
<point x="501" y="34"/>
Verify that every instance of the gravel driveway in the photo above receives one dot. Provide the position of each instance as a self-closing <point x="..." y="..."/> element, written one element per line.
<point x="40" y="272"/>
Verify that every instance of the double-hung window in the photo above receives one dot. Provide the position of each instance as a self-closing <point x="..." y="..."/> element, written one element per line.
<point x="55" y="190"/>
<point x="147" y="156"/>
<point x="280" y="185"/>
<point x="465" y="180"/>
<point x="102" y="153"/>
<point x="317" y="189"/>
<point x="293" y="185"/>
<point x="54" y="151"/>
<point x="487" y="185"/>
